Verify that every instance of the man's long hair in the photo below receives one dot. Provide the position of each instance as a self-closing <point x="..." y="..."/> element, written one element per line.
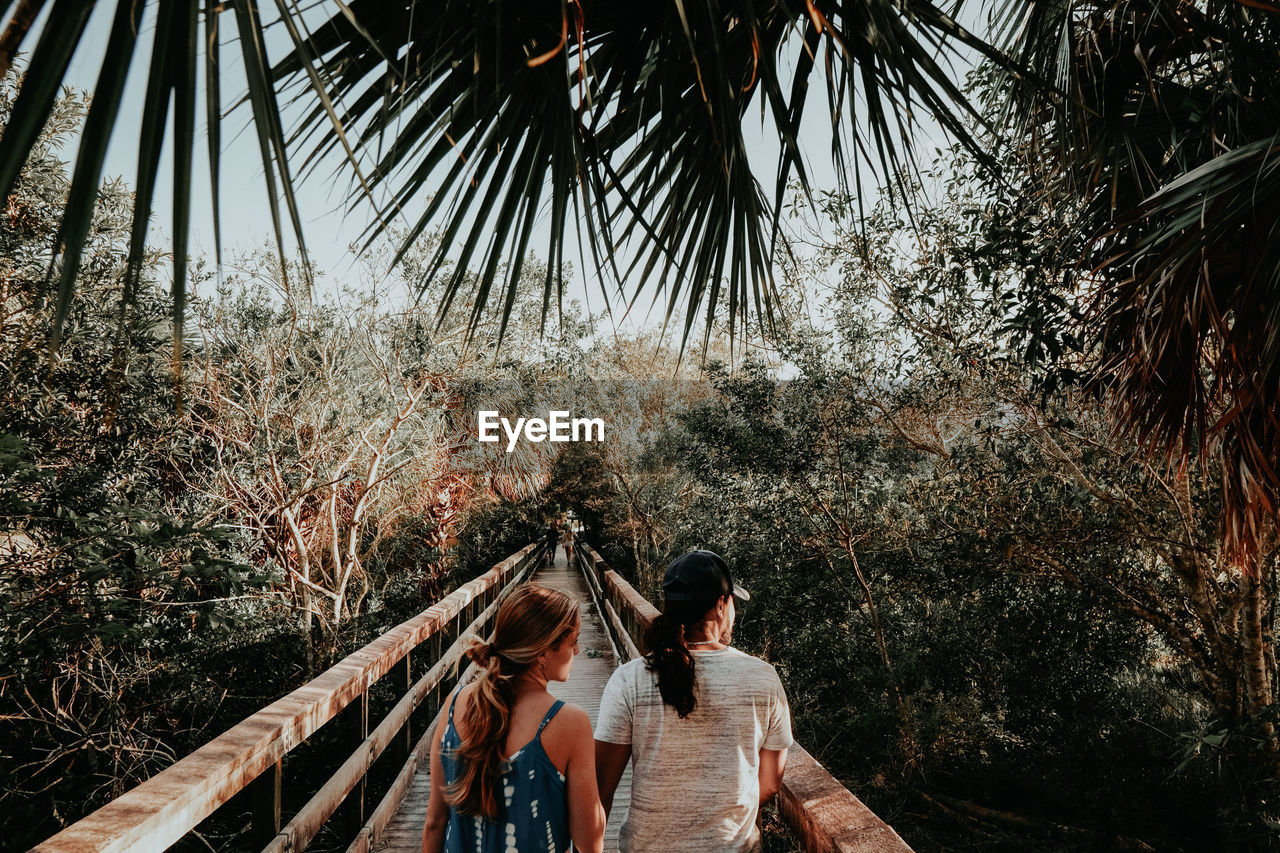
<point x="669" y="656"/>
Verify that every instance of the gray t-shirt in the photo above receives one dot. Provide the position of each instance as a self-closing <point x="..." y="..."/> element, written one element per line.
<point x="695" y="783"/>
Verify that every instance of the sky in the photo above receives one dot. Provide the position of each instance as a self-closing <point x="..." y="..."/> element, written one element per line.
<point x="329" y="228"/>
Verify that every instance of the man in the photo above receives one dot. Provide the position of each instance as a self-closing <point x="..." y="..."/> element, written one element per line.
<point x="553" y="537"/>
<point x="705" y="726"/>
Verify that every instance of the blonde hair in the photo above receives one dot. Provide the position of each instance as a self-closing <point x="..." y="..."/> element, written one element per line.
<point x="530" y="621"/>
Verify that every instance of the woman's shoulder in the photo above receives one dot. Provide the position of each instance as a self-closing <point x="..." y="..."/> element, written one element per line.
<point x="568" y="730"/>
<point x="461" y="697"/>
<point x="570" y="718"/>
<point x="570" y="726"/>
<point x="460" y="701"/>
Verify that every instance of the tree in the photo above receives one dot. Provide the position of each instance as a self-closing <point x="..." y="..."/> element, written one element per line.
<point x="334" y="425"/>
<point x="1037" y="480"/>
<point x="1162" y="148"/>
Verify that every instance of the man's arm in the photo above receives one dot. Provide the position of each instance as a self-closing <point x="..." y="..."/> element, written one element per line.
<point x="773" y="762"/>
<point x="611" y="760"/>
<point x="778" y="735"/>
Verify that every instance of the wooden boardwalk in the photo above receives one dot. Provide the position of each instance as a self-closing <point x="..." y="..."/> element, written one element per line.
<point x="591" y="669"/>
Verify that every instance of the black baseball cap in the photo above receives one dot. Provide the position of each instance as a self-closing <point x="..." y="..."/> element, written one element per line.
<point x="700" y="576"/>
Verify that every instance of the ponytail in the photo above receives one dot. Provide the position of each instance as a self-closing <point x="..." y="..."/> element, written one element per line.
<point x="532" y="620"/>
<point x="668" y="656"/>
<point x="485" y="719"/>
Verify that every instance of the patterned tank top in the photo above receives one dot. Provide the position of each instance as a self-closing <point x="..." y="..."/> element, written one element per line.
<point x="535" y="808"/>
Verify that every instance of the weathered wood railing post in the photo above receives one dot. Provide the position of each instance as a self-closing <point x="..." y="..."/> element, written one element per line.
<point x="437" y="650"/>
<point x="363" y="730"/>
<point x="265" y="795"/>
<point x="404" y="743"/>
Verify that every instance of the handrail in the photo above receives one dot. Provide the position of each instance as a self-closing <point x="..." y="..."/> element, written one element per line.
<point x="825" y="816"/>
<point x="158" y="812"/>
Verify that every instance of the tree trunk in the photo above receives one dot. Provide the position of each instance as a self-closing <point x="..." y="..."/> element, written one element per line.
<point x="1257" y="655"/>
<point x="906" y="715"/>
<point x="1257" y="679"/>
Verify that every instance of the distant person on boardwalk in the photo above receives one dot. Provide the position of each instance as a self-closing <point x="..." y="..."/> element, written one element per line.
<point x="567" y="541"/>
<point x="512" y="768"/>
<point x="705" y="726"/>
<point x="553" y="536"/>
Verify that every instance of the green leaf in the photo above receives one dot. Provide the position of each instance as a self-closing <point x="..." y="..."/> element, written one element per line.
<point x="155" y="111"/>
<point x="266" y="120"/>
<point x="184" y="133"/>
<point x="213" y="116"/>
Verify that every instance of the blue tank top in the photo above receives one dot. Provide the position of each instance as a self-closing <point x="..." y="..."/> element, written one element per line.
<point x="535" y="808"/>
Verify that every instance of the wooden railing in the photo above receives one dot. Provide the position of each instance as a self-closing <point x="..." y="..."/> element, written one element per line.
<point x="825" y="816"/>
<point x="170" y="804"/>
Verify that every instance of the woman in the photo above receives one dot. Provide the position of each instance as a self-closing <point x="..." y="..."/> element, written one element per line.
<point x="512" y="768"/>
<point x="567" y="541"/>
<point x="705" y="727"/>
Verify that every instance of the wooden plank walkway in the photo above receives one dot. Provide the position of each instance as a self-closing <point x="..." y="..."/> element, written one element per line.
<point x="591" y="669"/>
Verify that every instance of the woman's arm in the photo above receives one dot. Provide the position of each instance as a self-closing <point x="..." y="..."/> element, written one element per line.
<point x="586" y="817"/>
<point x="611" y="760"/>
<point x="772" y="764"/>
<point x="437" y="812"/>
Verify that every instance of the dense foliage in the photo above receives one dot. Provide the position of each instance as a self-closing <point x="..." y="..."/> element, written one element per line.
<point x="112" y="578"/>
<point x="999" y="620"/>
<point x="166" y="559"/>
<point x="1004" y="623"/>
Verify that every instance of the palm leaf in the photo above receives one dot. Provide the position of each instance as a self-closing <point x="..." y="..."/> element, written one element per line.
<point x="1164" y="140"/>
<point x="183" y="75"/>
<point x="19" y="25"/>
<point x="77" y="218"/>
<point x="171" y="74"/>
<point x="213" y="117"/>
<point x="267" y="124"/>
<point x="155" y="112"/>
<point x="44" y="74"/>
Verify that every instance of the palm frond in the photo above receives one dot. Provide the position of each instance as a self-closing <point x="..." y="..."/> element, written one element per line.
<point x="44" y="73"/>
<point x="171" y="77"/>
<point x="1198" y="286"/>
<point x="78" y="215"/>
<point x="476" y="122"/>
<point x="632" y="113"/>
